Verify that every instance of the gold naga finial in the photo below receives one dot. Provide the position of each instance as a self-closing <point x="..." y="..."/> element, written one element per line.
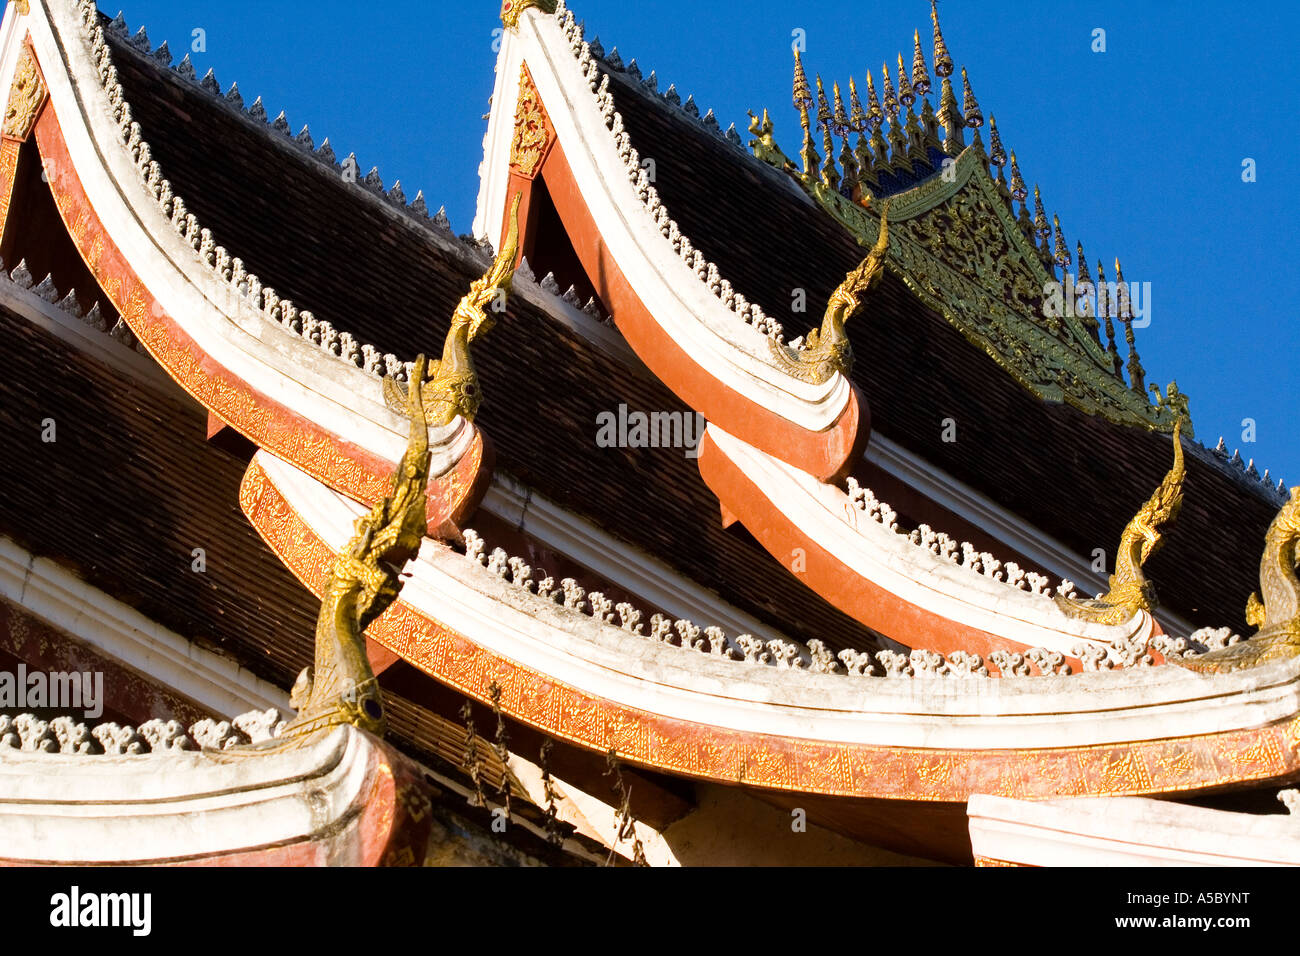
<point x="827" y="350"/>
<point x="1277" y="613"/>
<point x="339" y="687"/>
<point x="452" y="387"/>
<point x="1130" y="591"/>
<point x="512" y="10"/>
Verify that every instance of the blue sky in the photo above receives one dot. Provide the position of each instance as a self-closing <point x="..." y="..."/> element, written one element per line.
<point x="1139" y="149"/>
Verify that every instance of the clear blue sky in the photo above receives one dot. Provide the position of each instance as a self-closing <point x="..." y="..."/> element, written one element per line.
<point x="1139" y="149"/>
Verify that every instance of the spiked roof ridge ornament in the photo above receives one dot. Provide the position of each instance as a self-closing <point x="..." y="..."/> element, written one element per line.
<point x="920" y="77"/>
<point x="1057" y="361"/>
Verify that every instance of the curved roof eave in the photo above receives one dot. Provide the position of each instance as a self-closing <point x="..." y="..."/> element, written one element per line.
<point x="233" y="345"/>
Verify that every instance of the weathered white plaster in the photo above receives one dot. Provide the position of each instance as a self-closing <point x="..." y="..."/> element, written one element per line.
<point x="1127" y="831"/>
<point x="65" y="601"/>
<point x="61" y="808"/>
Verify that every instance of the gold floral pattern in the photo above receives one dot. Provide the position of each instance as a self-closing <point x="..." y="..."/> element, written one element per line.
<point x="26" y="96"/>
<point x="532" y="136"/>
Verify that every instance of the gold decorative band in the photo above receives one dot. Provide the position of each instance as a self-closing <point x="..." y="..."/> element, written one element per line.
<point x="782" y="763"/>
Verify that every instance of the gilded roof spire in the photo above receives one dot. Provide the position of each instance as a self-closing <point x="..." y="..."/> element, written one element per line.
<point x="1018" y="188"/>
<point x="891" y="101"/>
<point x="874" y="113"/>
<point x="1089" y="316"/>
<point x="840" y="127"/>
<point x="897" y="140"/>
<point x="931" y="125"/>
<point x="823" y="107"/>
<point x="803" y="102"/>
<point x="1106" y="310"/>
<point x="950" y="117"/>
<point x="830" y="176"/>
<point x="970" y="109"/>
<point x="1062" y="252"/>
<point x="942" y="61"/>
<point x="851" y="187"/>
<point x="997" y="155"/>
<point x="1136" y="374"/>
<point x="920" y="77"/>
<point x="875" y="117"/>
<point x="916" y="151"/>
<point x="840" y="120"/>
<point x="1041" y="229"/>
<point x="857" y="116"/>
<point x="859" y="122"/>
<point x="905" y="95"/>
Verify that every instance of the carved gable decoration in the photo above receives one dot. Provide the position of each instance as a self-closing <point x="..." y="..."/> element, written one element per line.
<point x="533" y="135"/>
<point x="956" y="244"/>
<point x="26" y="96"/>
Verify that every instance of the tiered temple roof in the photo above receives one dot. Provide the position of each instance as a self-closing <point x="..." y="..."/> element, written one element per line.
<point x="623" y="603"/>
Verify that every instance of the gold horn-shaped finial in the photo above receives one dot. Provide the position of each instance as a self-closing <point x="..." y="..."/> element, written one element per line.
<point x="340" y="686"/>
<point x="452" y="386"/>
<point x="1274" y="609"/>
<point x="827" y="349"/>
<point x="1130" y="591"/>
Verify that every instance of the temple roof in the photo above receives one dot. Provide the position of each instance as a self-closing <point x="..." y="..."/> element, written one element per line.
<point x="158" y="490"/>
<point x="381" y="255"/>
<point x="392" y="278"/>
<point x="1074" y="475"/>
